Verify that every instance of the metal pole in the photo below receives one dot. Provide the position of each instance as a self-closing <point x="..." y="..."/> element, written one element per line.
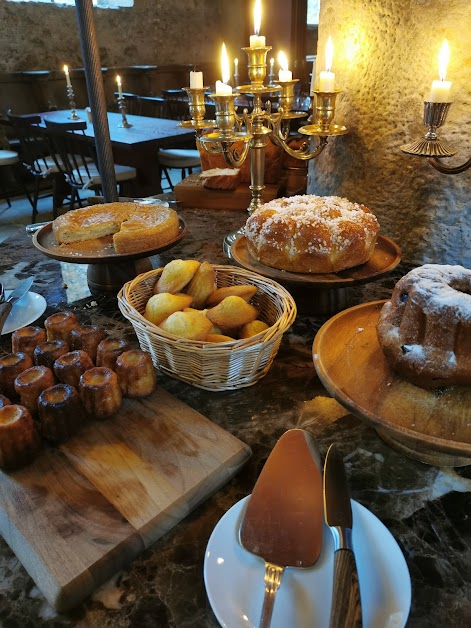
<point x="96" y="97"/>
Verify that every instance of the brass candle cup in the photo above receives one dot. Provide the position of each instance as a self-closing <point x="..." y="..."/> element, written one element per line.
<point x="435" y="114"/>
<point x="257" y="64"/>
<point x="225" y="113"/>
<point x="196" y="103"/>
<point x="286" y="98"/>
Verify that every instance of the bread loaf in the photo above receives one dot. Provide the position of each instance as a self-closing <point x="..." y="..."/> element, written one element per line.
<point x="221" y="178"/>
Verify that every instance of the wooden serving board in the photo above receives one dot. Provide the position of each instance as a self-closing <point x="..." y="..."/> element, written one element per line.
<point x="82" y="511"/>
<point x="191" y="193"/>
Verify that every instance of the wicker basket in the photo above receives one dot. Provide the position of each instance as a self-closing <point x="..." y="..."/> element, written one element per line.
<point x="212" y="366"/>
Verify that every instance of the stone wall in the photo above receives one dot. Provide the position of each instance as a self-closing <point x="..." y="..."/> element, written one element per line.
<point x="45" y="36"/>
<point x="385" y="60"/>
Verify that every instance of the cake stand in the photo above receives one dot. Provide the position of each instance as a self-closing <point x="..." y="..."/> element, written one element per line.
<point x="107" y="270"/>
<point x="323" y="293"/>
<point x="433" y="426"/>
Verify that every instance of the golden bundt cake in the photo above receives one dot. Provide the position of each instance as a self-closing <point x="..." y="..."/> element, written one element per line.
<point x="26" y="339"/>
<point x="30" y="383"/>
<point x="60" y="412"/>
<point x="136" y="374"/>
<point x="87" y="338"/>
<point x="68" y="368"/>
<point x="58" y="326"/>
<point x="47" y="353"/>
<point x="425" y="329"/>
<point x="108" y="351"/>
<point x="11" y="366"/>
<point x="100" y="392"/>
<point x="19" y="438"/>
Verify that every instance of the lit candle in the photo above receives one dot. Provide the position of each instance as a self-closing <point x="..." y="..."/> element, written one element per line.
<point x="327" y="78"/>
<point x="67" y="76"/>
<point x="236" y="67"/>
<point x="222" y="87"/>
<point x="272" y="63"/>
<point x="284" y="74"/>
<point x="196" y="80"/>
<point x="120" y="87"/>
<point x="440" y="91"/>
<point x="256" y="40"/>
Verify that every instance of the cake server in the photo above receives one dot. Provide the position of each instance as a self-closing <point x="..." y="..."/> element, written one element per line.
<point x="19" y="292"/>
<point x="283" y="520"/>
<point x="346" y="604"/>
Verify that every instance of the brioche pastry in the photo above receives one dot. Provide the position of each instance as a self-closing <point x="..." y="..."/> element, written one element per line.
<point x="245" y="292"/>
<point x="232" y="312"/>
<point x="136" y="374"/>
<point x="69" y="368"/>
<point x="202" y="285"/>
<point x="58" y="326"/>
<point x="48" y="352"/>
<point x="11" y="366"/>
<point x="175" y="275"/>
<point x="189" y="325"/>
<point x="30" y="383"/>
<point x="19" y="438"/>
<point x="134" y="227"/>
<point x="26" y="339"/>
<point x="60" y="412"/>
<point x="160" y="306"/>
<point x="100" y="392"/>
<point x="311" y="234"/>
<point x="252" y="329"/>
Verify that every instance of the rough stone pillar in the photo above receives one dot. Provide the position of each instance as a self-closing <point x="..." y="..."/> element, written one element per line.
<point x="385" y="59"/>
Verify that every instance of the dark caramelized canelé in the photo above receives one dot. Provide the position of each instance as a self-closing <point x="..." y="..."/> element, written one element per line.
<point x="47" y="353"/>
<point x="58" y="326"/>
<point x="100" y="392"/>
<point x="109" y="350"/>
<point x="60" y="412"/>
<point x="136" y="373"/>
<point x="87" y="338"/>
<point x="19" y="438"/>
<point x="11" y="366"/>
<point x="30" y="383"/>
<point x="26" y="339"/>
<point x="71" y="366"/>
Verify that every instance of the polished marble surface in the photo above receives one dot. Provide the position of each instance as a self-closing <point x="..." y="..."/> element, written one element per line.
<point x="426" y="508"/>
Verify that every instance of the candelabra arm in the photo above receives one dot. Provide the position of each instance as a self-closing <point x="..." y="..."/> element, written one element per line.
<point x="437" y="163"/>
<point x="233" y="156"/>
<point x="302" y="152"/>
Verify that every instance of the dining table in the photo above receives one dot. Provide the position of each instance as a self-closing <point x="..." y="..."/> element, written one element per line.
<point x="137" y="145"/>
<point x="424" y="507"/>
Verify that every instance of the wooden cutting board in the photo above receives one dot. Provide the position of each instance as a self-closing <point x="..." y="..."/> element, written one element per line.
<point x="192" y="193"/>
<point x="82" y="511"/>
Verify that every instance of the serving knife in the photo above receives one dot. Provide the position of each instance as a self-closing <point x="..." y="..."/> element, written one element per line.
<point x="19" y="292"/>
<point x="346" y="603"/>
<point x="283" y="520"/>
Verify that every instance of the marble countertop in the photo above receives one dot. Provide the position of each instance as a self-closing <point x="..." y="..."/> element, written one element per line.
<point x="426" y="508"/>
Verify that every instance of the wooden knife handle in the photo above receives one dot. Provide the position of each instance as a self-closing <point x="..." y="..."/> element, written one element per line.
<point x="5" y="309"/>
<point x="346" y="605"/>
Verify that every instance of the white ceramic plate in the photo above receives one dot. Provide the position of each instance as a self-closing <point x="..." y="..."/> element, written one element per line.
<point x="25" y="311"/>
<point x="234" y="578"/>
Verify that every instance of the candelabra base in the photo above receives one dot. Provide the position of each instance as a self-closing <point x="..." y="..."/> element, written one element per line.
<point x="124" y="125"/>
<point x="229" y="240"/>
<point x="429" y="148"/>
<point x="74" y="116"/>
<point x="322" y="131"/>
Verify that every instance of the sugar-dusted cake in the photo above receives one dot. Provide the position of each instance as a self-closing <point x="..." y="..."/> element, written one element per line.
<point x="134" y="227"/>
<point x="311" y="234"/>
<point x="425" y="329"/>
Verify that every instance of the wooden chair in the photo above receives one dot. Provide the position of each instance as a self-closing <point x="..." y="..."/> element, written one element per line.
<point x="131" y="102"/>
<point x="75" y="154"/>
<point x="8" y="159"/>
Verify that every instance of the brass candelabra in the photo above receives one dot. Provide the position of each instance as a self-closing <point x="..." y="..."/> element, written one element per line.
<point x="71" y="97"/>
<point x="431" y="146"/>
<point x="256" y="128"/>
<point x="124" y="124"/>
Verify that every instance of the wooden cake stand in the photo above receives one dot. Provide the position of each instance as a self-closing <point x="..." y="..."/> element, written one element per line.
<point x="107" y="270"/>
<point x="328" y="293"/>
<point x="431" y="426"/>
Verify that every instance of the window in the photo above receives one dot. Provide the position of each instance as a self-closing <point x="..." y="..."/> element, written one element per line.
<point x="101" y="4"/>
<point x="313" y="7"/>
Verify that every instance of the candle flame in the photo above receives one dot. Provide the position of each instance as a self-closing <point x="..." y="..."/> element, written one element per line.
<point x="283" y="60"/>
<point x="257" y="16"/>
<point x="66" y="69"/>
<point x="443" y="58"/>
<point x="329" y="54"/>
<point x="225" y="69"/>
<point x="118" y="79"/>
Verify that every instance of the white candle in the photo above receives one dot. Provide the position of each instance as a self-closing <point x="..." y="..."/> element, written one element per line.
<point x="272" y="63"/>
<point x="236" y="66"/>
<point x="313" y="76"/>
<point x="67" y="76"/>
<point x="440" y="91"/>
<point x="284" y="74"/>
<point x="222" y="87"/>
<point x="256" y="40"/>
<point x="327" y="77"/>
<point x="120" y="87"/>
<point x="196" y="80"/>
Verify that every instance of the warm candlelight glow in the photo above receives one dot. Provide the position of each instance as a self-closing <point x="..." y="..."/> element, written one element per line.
<point x="256" y="40"/>
<point x="284" y="74"/>
<point x="222" y="88"/>
<point x="327" y="77"/>
<point x="440" y="91"/>
<point x="120" y="87"/>
<point x="67" y="76"/>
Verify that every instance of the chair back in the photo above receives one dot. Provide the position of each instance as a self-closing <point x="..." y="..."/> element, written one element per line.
<point x="153" y="106"/>
<point x="131" y="102"/>
<point x="34" y="147"/>
<point x="177" y="104"/>
<point x="72" y="150"/>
